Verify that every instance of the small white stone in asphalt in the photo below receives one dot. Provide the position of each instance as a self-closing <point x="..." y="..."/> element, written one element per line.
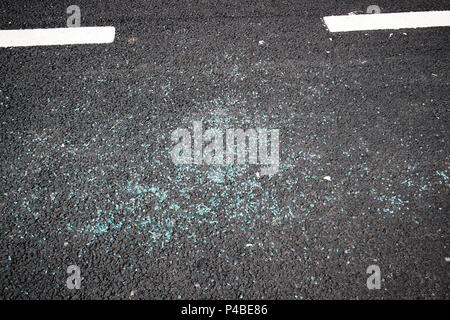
<point x="261" y="42"/>
<point x="447" y="259"/>
<point x="66" y="244"/>
<point x="328" y="178"/>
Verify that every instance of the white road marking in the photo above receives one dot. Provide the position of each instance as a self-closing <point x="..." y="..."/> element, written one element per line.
<point x="56" y="36"/>
<point x="383" y="21"/>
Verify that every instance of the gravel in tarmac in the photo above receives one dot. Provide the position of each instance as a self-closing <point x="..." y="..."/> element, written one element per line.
<point x="87" y="178"/>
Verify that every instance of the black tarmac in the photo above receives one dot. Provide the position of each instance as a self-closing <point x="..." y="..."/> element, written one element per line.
<point x="87" y="178"/>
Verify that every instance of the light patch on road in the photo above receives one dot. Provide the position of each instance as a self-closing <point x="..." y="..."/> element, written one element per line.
<point x="56" y="36"/>
<point x="382" y="21"/>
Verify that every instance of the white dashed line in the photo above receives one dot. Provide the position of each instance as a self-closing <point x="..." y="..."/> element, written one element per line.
<point x="56" y="36"/>
<point x="383" y="21"/>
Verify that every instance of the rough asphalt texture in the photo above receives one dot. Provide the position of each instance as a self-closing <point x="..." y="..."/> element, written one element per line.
<point x="87" y="178"/>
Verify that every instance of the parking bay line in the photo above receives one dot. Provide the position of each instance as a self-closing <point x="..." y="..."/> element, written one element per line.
<point x="56" y="36"/>
<point x="382" y="21"/>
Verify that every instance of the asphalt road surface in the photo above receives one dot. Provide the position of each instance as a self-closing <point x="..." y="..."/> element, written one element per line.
<point x="87" y="178"/>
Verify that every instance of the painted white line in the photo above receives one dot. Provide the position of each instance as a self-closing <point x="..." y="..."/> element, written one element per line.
<point x="381" y="21"/>
<point x="56" y="36"/>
